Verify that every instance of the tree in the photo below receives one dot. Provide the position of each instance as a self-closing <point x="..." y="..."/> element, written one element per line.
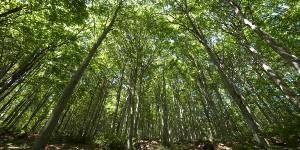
<point x="68" y="90"/>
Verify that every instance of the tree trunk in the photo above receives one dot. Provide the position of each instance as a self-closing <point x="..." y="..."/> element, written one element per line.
<point x="284" y="52"/>
<point x="68" y="90"/>
<point x="11" y="11"/>
<point x="227" y="113"/>
<point x="118" y="101"/>
<point x="131" y="107"/>
<point x="237" y="97"/>
<point x="44" y="100"/>
<point x="130" y="119"/>
<point x="275" y="78"/>
<point x="26" y="68"/>
<point x="165" y="136"/>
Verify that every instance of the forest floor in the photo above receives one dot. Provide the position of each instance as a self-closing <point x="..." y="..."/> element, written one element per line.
<point x="24" y="141"/>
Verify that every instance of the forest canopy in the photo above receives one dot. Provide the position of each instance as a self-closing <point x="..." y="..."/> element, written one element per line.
<point x="118" y="73"/>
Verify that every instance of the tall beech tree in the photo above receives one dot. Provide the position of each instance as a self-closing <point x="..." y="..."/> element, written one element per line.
<point x="68" y="90"/>
<point x="236" y="95"/>
<point x="281" y="50"/>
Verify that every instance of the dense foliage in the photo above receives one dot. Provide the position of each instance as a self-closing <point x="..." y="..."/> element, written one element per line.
<point x="115" y="72"/>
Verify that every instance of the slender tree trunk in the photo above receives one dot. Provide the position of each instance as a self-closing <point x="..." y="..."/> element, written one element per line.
<point x="44" y="100"/>
<point x="230" y="86"/>
<point x="11" y="11"/>
<point x="23" y="70"/>
<point x="130" y="119"/>
<point x="131" y="107"/>
<point x="66" y="123"/>
<point x="68" y="90"/>
<point x="19" y="115"/>
<point x="122" y="117"/>
<point x="265" y="107"/>
<point x="12" y="98"/>
<point x="5" y="68"/>
<point x="157" y="126"/>
<point x="62" y="119"/>
<point x="201" y="82"/>
<point x="98" y="108"/>
<point x="118" y="100"/>
<point x="227" y="113"/>
<point x="16" y="110"/>
<point x="96" y="121"/>
<point x="281" y="50"/>
<point x="165" y="136"/>
<point x="37" y="123"/>
<point x="275" y="78"/>
<point x="178" y="108"/>
<point x="139" y="100"/>
<point x="8" y="88"/>
<point x="206" y="100"/>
